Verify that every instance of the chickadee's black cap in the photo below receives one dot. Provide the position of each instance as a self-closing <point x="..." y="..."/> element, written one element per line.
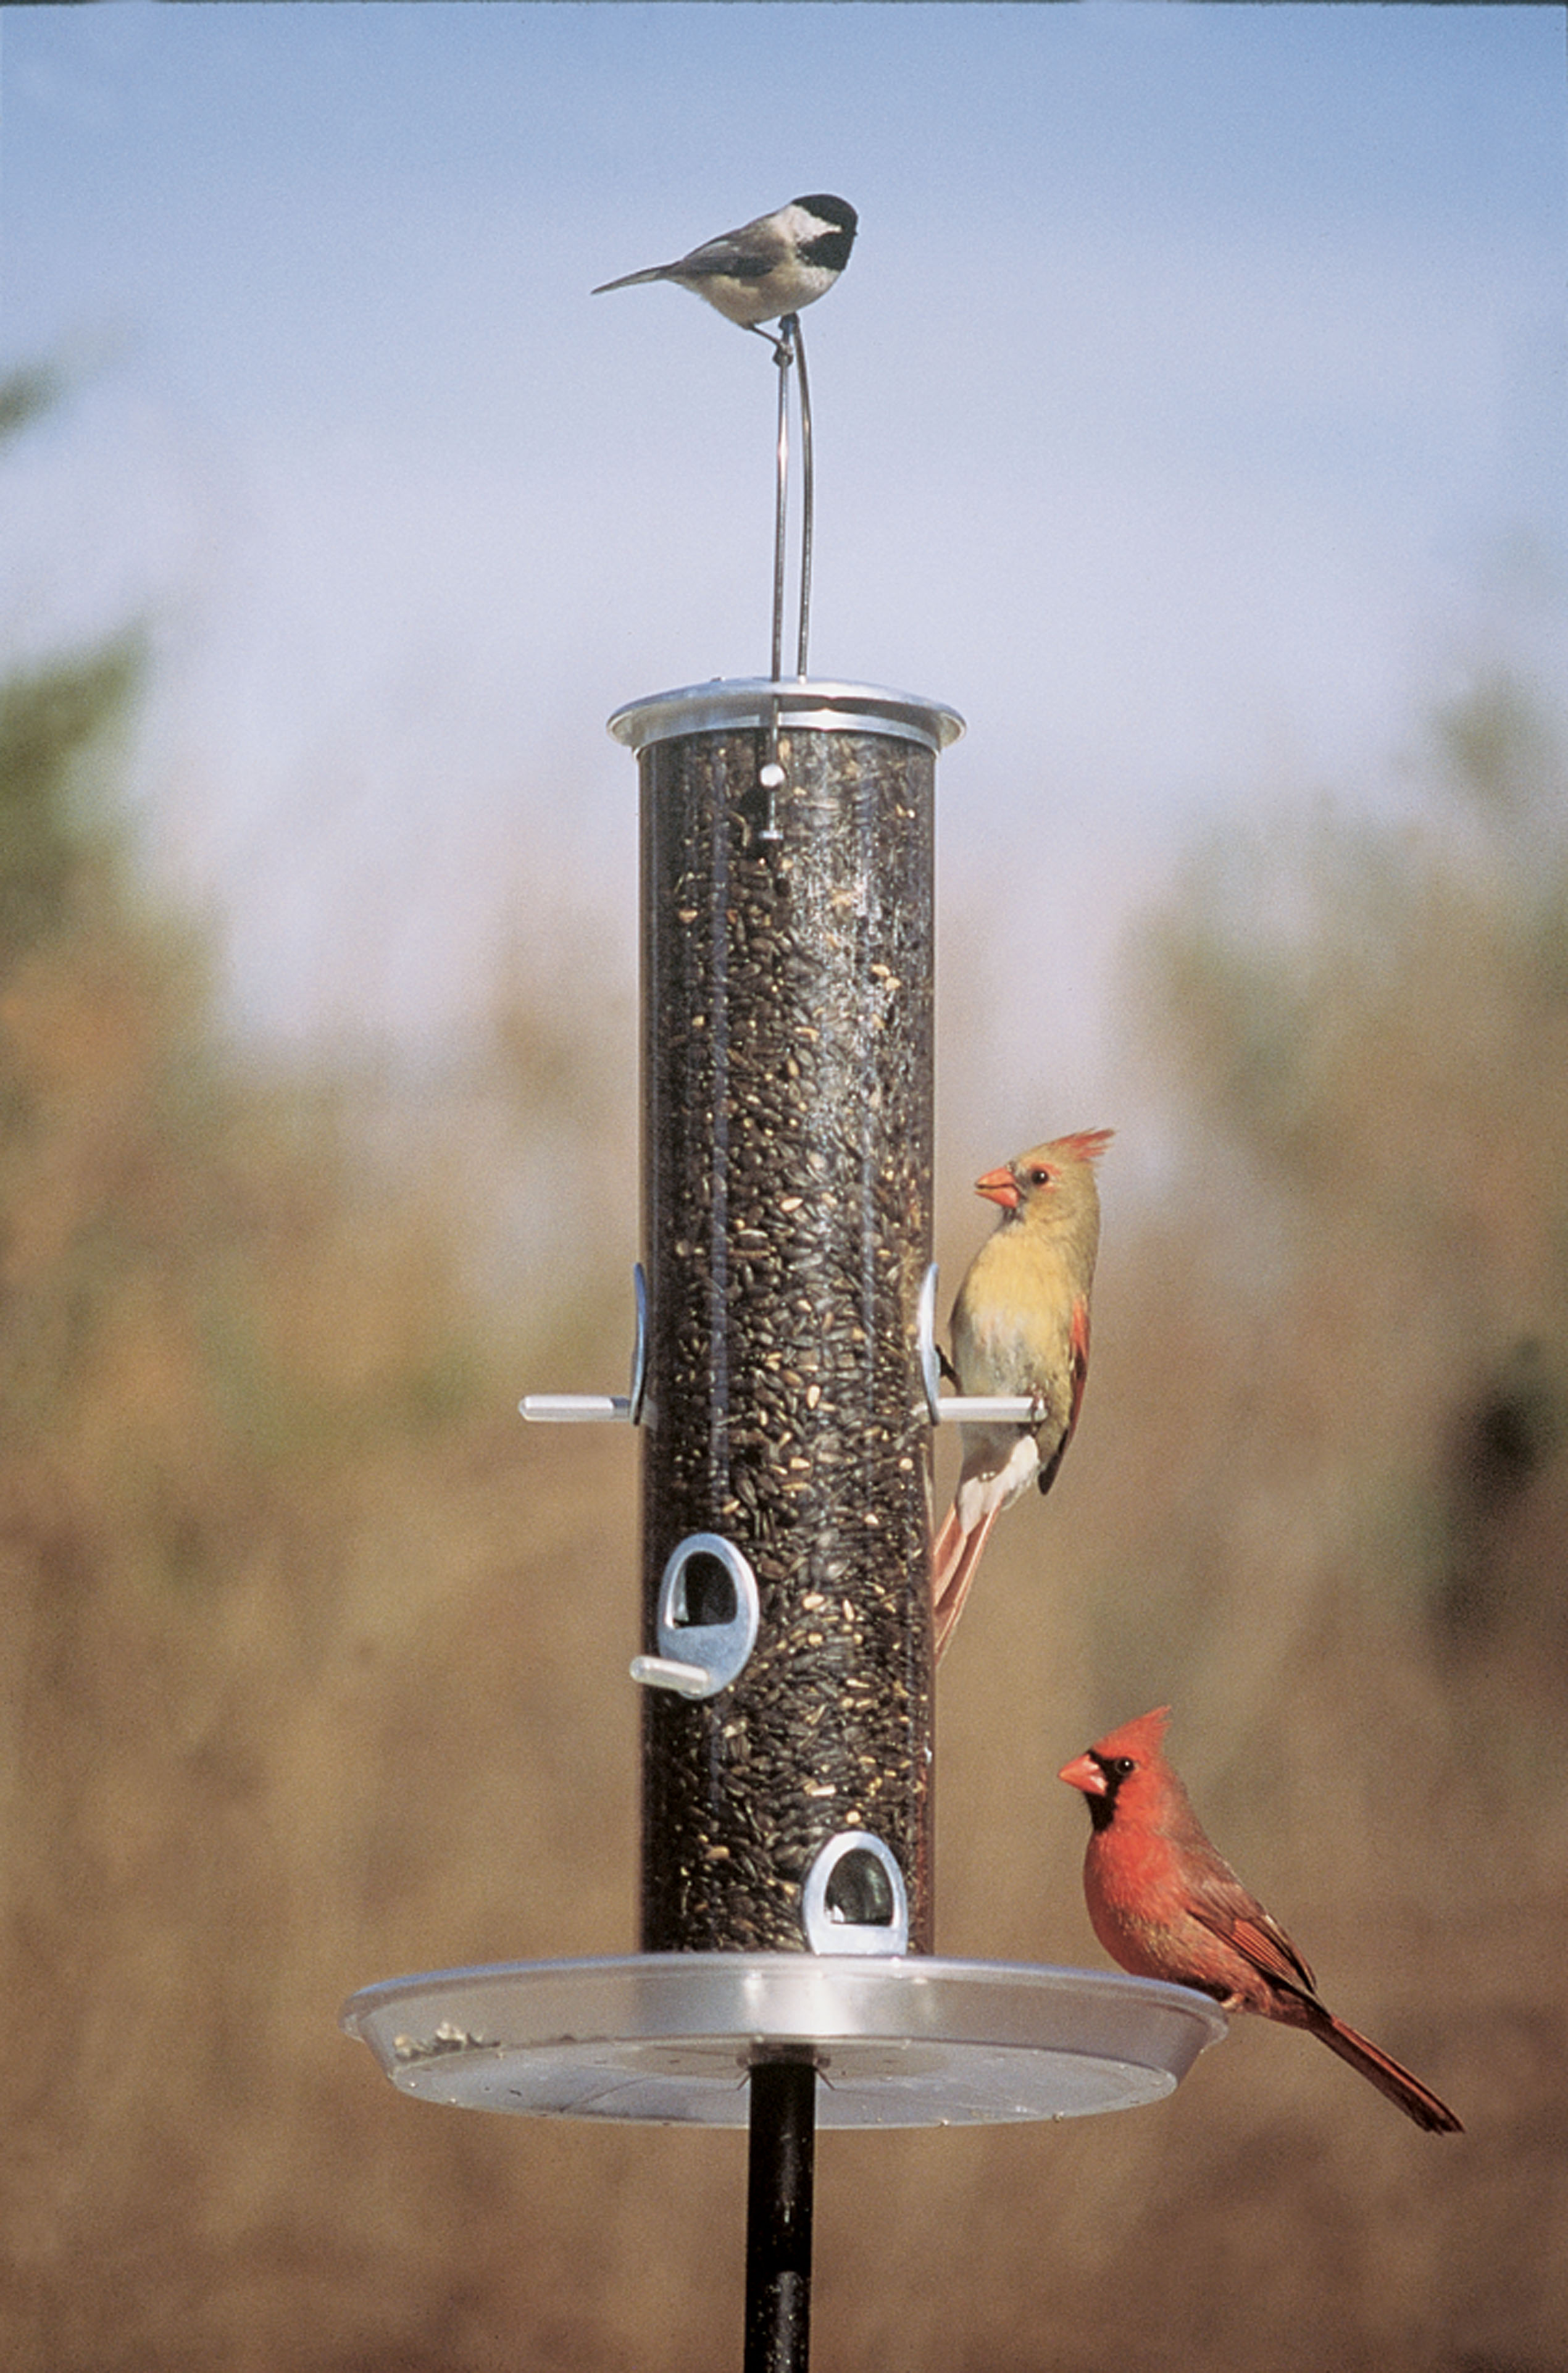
<point x="830" y="209"/>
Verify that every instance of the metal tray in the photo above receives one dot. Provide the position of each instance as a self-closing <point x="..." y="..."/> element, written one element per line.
<point x="669" y="2038"/>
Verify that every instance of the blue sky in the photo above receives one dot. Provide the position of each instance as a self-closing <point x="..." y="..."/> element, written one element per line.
<point x="1190" y="416"/>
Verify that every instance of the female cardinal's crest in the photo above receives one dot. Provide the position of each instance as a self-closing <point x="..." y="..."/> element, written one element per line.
<point x="1088" y="1144"/>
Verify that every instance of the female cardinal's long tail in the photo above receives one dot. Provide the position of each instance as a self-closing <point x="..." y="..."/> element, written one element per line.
<point x="1406" y="2091"/>
<point x="952" y="1563"/>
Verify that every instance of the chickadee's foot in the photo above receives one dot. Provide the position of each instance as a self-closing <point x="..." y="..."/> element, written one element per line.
<point x="784" y="344"/>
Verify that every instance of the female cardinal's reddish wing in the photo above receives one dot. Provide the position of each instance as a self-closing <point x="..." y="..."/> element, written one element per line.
<point x="1164" y="1903"/>
<point x="1078" y="1375"/>
<point x="1080" y="1341"/>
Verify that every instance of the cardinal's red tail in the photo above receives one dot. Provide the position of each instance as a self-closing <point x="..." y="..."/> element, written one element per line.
<point x="1407" y="2091"/>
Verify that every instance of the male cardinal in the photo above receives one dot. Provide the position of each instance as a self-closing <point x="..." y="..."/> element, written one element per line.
<point x="1165" y="1905"/>
<point x="1020" y="1326"/>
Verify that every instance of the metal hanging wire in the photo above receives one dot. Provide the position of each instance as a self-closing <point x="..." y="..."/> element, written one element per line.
<point x="789" y="351"/>
<point x="805" y="499"/>
<point x="784" y="355"/>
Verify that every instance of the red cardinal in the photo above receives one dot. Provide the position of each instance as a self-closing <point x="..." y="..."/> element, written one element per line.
<point x="1021" y="1326"/>
<point x="1165" y="1905"/>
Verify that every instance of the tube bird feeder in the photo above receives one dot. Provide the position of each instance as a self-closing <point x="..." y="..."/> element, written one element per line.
<point x="787" y="1183"/>
<point x="784" y="1385"/>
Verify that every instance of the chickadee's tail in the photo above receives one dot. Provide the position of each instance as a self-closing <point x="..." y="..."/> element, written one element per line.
<point x="632" y="280"/>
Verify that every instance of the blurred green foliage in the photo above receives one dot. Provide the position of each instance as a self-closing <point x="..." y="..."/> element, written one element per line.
<point x="30" y="393"/>
<point x="53" y="721"/>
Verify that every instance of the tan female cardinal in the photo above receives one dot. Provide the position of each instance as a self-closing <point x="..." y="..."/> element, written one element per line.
<point x="1020" y="1326"/>
<point x="1165" y="1905"/>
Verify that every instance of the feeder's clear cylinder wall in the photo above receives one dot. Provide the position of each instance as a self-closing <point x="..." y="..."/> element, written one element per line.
<point x="787" y="1105"/>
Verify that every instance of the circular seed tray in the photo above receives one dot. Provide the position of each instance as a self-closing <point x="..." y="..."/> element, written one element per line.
<point x="669" y="2038"/>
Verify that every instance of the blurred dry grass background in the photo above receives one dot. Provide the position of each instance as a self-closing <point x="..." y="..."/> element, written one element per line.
<point x="312" y="1660"/>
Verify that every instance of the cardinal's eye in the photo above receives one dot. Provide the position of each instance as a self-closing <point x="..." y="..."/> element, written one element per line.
<point x="1121" y="1765"/>
<point x="1039" y="1178"/>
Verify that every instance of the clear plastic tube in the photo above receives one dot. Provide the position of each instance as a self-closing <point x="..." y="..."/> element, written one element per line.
<point x="787" y="1108"/>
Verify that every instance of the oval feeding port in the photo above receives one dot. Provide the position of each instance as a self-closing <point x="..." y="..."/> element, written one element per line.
<point x="854" y="1899"/>
<point x="860" y="1892"/>
<point x="708" y="1613"/>
<point x="704" y="1592"/>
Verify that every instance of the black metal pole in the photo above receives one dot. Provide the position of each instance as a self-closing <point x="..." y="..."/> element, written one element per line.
<point x="778" y="2216"/>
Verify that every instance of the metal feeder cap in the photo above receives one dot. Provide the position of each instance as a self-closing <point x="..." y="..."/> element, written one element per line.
<point x="758" y="703"/>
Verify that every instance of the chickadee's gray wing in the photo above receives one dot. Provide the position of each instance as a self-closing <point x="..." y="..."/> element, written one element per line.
<point x="737" y="255"/>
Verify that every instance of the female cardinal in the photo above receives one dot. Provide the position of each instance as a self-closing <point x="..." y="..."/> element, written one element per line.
<point x="1020" y="1326"/>
<point x="1165" y="1905"/>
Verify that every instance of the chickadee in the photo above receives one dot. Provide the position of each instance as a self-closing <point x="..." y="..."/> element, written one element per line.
<point x="767" y="268"/>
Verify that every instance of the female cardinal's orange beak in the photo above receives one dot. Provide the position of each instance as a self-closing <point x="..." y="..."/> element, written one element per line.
<point x="1084" y="1773"/>
<point x="1001" y="1186"/>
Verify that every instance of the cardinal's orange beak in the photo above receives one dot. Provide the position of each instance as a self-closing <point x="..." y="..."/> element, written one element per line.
<point x="1001" y="1186"/>
<point x="1084" y="1773"/>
